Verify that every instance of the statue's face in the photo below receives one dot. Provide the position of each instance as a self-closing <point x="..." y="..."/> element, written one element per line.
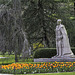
<point x="58" y="21"/>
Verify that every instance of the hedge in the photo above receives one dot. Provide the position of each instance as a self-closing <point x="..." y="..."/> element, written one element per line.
<point x="73" y="50"/>
<point x="47" y="52"/>
<point x="44" y="53"/>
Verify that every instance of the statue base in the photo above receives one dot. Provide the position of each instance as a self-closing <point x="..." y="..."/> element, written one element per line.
<point x="53" y="59"/>
<point x="65" y="56"/>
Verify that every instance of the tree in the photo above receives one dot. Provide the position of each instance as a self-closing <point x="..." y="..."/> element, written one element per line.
<point x="40" y="23"/>
<point x="40" y="19"/>
<point x="13" y="32"/>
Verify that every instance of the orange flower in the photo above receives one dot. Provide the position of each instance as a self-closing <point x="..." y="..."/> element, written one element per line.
<point x="54" y="66"/>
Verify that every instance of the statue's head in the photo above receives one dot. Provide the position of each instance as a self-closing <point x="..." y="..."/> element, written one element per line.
<point x="58" y="21"/>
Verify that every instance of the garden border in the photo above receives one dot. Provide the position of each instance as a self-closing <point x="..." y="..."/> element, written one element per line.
<point x="54" y="59"/>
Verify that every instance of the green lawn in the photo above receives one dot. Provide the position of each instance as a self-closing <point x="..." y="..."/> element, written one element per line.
<point x="64" y="73"/>
<point x="11" y="59"/>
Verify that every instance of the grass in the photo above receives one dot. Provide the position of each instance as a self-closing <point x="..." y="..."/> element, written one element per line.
<point x="63" y="73"/>
<point x="11" y="59"/>
<point x="8" y="60"/>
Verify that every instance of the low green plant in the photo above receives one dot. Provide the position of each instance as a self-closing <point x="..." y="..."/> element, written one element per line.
<point x="45" y="53"/>
<point x="73" y="50"/>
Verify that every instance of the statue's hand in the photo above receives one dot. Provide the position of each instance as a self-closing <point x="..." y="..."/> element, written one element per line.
<point x="59" y="38"/>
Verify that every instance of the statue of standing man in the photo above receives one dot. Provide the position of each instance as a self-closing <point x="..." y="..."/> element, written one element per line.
<point x="62" y="41"/>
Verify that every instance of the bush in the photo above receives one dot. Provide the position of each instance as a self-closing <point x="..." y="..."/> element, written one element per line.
<point x="73" y="50"/>
<point x="45" y="53"/>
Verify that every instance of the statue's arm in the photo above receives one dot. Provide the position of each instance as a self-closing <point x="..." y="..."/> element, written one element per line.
<point x="62" y="32"/>
<point x="61" y="35"/>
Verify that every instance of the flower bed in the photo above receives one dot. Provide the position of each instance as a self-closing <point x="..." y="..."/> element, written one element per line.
<point x="24" y="68"/>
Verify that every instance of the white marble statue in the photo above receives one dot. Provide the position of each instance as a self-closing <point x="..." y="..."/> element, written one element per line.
<point x="62" y="41"/>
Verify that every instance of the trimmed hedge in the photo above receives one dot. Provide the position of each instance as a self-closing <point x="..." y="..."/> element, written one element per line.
<point x="47" y="52"/>
<point x="44" y="53"/>
<point x="73" y="50"/>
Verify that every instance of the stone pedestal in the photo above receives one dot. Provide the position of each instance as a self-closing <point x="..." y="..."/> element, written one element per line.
<point x="60" y="59"/>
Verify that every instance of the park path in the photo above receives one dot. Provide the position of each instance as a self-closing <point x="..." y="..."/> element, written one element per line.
<point x="6" y="74"/>
<point x="3" y="57"/>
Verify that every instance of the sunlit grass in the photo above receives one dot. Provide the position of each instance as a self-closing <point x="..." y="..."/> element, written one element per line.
<point x="11" y="59"/>
<point x="64" y="73"/>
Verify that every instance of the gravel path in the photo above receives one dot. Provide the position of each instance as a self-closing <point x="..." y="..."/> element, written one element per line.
<point x="6" y="74"/>
<point x="4" y="57"/>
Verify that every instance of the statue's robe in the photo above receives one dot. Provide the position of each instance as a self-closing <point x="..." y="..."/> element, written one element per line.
<point x="61" y="35"/>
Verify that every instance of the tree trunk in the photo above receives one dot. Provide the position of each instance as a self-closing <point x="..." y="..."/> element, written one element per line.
<point x="74" y="8"/>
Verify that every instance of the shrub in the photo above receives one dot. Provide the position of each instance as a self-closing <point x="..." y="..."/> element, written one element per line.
<point x="73" y="50"/>
<point x="45" y="53"/>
